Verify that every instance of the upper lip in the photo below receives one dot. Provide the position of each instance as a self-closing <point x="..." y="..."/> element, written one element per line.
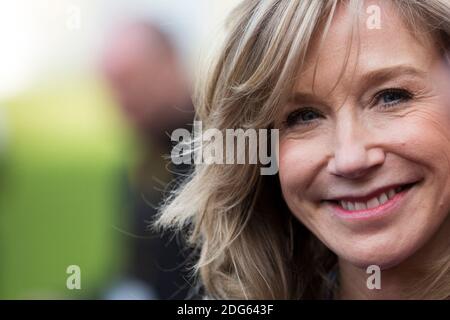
<point x="365" y="196"/>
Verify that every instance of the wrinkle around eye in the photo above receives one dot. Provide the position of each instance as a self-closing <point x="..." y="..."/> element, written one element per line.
<point x="304" y="133"/>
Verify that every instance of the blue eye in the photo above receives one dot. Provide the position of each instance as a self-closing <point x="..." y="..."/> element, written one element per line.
<point x="391" y="97"/>
<point x="305" y="116"/>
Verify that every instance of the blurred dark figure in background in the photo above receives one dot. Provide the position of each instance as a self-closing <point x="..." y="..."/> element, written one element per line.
<point x="148" y="81"/>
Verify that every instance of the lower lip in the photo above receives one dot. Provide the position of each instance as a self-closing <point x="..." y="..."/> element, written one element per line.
<point x="387" y="208"/>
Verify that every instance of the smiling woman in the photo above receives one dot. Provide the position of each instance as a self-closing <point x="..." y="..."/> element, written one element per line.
<point x="364" y="154"/>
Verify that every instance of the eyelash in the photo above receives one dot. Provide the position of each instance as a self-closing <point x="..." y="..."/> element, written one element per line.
<point x="293" y="118"/>
<point x="406" y="96"/>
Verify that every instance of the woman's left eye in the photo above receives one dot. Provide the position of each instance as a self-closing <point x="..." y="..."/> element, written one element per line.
<point x="391" y="97"/>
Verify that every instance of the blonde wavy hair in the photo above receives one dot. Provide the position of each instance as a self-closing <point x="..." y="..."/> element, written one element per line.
<point x="249" y="245"/>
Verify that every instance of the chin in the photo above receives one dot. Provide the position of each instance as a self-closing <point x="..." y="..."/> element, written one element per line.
<point x="385" y="256"/>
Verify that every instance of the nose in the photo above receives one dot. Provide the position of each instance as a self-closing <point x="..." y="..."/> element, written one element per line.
<point x="355" y="153"/>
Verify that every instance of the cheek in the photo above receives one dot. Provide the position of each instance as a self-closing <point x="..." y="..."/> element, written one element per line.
<point x="423" y="136"/>
<point x="298" y="162"/>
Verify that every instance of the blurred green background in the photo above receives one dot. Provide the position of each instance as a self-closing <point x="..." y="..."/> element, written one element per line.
<point x="65" y="149"/>
<point x="60" y="190"/>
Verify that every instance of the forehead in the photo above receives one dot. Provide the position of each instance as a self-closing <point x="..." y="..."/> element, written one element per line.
<point x="344" y="54"/>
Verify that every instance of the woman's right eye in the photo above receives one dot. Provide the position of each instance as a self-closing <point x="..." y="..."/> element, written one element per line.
<point x="303" y="117"/>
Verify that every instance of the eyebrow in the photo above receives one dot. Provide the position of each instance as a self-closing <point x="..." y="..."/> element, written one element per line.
<point x="369" y="79"/>
<point x="385" y="74"/>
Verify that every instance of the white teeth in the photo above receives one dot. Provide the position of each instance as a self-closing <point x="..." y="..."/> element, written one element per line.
<point x="347" y="205"/>
<point x="372" y="203"/>
<point x="391" y="193"/>
<point x="360" y="206"/>
<point x="351" y="206"/>
<point x="383" y="198"/>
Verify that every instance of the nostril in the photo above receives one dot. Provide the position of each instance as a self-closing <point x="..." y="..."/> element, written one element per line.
<point x="355" y="163"/>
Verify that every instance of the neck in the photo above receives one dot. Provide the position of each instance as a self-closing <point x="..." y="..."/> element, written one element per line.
<point x="400" y="281"/>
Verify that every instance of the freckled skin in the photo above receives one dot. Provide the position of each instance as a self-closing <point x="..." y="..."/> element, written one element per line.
<point x="357" y="144"/>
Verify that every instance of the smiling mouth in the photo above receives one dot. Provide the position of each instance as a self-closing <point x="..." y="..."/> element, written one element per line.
<point x="372" y="201"/>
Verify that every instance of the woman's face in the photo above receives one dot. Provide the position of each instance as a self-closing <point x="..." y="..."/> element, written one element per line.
<point x="365" y="151"/>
